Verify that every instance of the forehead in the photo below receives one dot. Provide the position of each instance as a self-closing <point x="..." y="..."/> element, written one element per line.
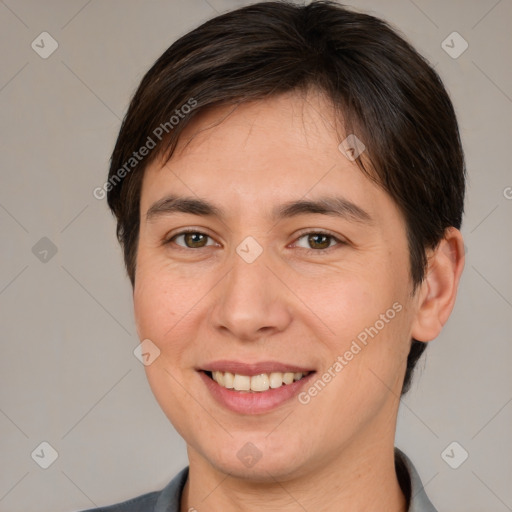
<point x="302" y="121"/>
<point x="263" y="152"/>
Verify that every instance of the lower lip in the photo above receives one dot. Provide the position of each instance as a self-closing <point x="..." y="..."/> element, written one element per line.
<point x="255" y="402"/>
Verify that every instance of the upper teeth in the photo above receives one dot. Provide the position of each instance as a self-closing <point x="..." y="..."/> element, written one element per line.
<point x="261" y="382"/>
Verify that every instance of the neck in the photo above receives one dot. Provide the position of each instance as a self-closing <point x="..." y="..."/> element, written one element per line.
<point x="360" y="478"/>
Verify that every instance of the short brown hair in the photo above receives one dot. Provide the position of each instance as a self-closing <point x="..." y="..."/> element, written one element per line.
<point x="385" y="91"/>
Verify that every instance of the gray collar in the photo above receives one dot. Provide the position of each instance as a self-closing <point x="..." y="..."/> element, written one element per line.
<point x="170" y="497"/>
<point x="410" y="482"/>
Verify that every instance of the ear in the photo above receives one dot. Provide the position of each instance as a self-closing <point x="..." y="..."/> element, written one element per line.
<point x="436" y="294"/>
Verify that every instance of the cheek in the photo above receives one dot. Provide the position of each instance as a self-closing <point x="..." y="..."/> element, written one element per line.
<point x="149" y="306"/>
<point x="166" y="309"/>
<point x="352" y="300"/>
<point x="157" y="311"/>
<point x="369" y="320"/>
<point x="161" y="298"/>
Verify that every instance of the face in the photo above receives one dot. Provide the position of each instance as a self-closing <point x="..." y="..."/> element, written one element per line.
<point x="262" y="288"/>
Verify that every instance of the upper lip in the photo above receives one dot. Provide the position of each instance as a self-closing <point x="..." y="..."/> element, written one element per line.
<point x="251" y="369"/>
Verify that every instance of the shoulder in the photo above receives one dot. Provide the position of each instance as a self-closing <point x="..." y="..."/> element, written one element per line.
<point x="165" y="500"/>
<point x="142" y="503"/>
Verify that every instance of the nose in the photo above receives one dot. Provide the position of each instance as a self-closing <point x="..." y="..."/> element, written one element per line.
<point x="252" y="302"/>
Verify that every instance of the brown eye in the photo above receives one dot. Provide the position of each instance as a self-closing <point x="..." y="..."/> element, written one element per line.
<point x="194" y="239"/>
<point x="191" y="239"/>
<point x="318" y="242"/>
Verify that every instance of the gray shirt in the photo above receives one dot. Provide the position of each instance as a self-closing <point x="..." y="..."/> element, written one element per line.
<point x="168" y="499"/>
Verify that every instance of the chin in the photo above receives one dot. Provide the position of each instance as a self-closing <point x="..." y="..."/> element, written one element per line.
<point x="257" y="459"/>
<point x="264" y="471"/>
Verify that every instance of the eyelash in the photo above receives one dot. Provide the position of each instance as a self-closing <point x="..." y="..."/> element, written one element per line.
<point x="307" y="251"/>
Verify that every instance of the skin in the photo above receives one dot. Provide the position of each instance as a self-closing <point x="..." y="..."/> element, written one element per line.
<point x="203" y="302"/>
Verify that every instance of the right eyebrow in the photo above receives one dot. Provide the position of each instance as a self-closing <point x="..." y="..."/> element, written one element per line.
<point x="172" y="204"/>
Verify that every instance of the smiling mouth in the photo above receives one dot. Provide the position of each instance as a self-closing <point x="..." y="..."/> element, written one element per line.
<point x="255" y="383"/>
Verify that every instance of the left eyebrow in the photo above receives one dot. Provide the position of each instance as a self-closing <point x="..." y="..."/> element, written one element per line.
<point x="334" y="206"/>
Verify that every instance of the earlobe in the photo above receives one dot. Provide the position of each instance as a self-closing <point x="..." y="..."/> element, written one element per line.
<point x="437" y="293"/>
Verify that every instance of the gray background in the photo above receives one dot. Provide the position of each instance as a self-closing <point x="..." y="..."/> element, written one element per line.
<point x="68" y="373"/>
